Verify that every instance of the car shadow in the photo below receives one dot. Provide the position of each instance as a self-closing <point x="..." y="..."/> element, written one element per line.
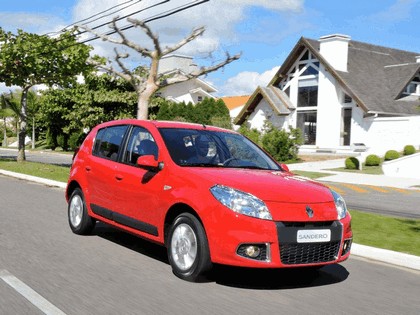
<point x="130" y="241"/>
<point x="278" y="279"/>
<point x="238" y="277"/>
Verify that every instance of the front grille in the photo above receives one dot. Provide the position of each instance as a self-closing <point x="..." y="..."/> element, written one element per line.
<point x="294" y="253"/>
<point x="311" y="253"/>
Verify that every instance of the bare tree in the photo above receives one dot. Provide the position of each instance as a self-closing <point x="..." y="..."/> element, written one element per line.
<point x="146" y="84"/>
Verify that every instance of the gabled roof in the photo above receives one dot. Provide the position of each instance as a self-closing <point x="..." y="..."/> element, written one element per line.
<point x="375" y="77"/>
<point x="275" y="97"/>
<point x="233" y="102"/>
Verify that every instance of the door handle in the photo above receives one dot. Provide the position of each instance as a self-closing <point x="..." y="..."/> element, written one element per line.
<point x="88" y="168"/>
<point x="119" y="177"/>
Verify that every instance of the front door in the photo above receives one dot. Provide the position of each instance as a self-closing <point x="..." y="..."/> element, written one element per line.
<point x="346" y="126"/>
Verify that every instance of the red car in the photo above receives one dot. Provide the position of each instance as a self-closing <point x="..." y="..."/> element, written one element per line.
<point x="208" y="194"/>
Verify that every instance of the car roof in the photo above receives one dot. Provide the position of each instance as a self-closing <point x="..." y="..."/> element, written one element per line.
<point x="163" y="124"/>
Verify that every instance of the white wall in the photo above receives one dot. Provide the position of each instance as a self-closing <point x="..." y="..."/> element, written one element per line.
<point x="329" y="112"/>
<point x="264" y="112"/>
<point x="407" y="166"/>
<point x="383" y="134"/>
<point x="181" y="92"/>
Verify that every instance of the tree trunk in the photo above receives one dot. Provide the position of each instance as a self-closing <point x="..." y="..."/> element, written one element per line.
<point x="22" y="130"/>
<point x="5" y="133"/>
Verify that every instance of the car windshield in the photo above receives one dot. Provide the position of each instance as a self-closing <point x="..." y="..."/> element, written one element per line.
<point x="190" y="147"/>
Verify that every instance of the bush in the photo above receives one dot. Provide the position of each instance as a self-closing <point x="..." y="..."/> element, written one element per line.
<point x="409" y="149"/>
<point x="373" y="160"/>
<point x="391" y="155"/>
<point x="352" y="163"/>
<point x="283" y="146"/>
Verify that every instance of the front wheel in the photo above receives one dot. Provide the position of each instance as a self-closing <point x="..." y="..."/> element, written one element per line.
<point x="188" y="249"/>
<point x="79" y="220"/>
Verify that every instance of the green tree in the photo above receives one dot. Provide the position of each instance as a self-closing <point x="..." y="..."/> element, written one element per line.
<point x="6" y="111"/>
<point x="67" y="113"/>
<point x="29" y="59"/>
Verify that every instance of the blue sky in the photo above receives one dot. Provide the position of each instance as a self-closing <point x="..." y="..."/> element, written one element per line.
<point x="264" y="31"/>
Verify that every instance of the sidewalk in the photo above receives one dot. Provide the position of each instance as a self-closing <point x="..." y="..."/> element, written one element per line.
<point x="378" y="254"/>
<point x="353" y="178"/>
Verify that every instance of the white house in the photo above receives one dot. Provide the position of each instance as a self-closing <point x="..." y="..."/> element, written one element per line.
<point x="191" y="91"/>
<point x="344" y="95"/>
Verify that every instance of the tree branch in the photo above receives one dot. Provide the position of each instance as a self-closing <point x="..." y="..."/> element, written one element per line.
<point x="200" y="72"/>
<point x="148" y="31"/>
<point x="194" y="34"/>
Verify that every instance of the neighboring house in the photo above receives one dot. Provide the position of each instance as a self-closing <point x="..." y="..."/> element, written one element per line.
<point x="235" y="105"/>
<point x="344" y="95"/>
<point x="191" y="91"/>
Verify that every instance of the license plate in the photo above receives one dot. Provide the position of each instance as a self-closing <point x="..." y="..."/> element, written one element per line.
<point x="313" y="236"/>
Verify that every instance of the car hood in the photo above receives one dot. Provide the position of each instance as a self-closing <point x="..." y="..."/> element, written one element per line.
<point x="268" y="185"/>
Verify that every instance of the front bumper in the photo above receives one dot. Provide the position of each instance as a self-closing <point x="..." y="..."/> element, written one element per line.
<point x="278" y="243"/>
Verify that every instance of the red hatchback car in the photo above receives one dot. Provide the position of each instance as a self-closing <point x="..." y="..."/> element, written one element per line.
<point x="208" y="194"/>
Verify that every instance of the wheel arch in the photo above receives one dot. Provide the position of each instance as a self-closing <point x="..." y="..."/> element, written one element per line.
<point x="71" y="187"/>
<point x="175" y="211"/>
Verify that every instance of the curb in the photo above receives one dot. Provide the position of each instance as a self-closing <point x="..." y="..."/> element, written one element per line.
<point x="386" y="256"/>
<point x="34" y="179"/>
<point x="373" y="253"/>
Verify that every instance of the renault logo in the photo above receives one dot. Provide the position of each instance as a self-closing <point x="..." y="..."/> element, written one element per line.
<point x="309" y="211"/>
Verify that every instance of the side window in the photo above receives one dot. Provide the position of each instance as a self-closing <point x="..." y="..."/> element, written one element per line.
<point x="108" y="142"/>
<point x="140" y="143"/>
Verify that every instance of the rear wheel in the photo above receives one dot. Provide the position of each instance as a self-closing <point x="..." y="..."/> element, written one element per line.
<point x="188" y="249"/>
<point x="79" y="220"/>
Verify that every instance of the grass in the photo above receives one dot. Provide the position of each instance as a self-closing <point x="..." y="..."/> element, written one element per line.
<point x="312" y="175"/>
<point x="372" y="170"/>
<point x="397" y="234"/>
<point x="53" y="172"/>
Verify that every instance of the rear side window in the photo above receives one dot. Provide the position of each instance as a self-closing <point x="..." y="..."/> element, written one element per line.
<point x="108" y="142"/>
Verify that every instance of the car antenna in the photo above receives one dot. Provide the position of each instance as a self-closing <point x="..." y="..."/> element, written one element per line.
<point x="204" y="126"/>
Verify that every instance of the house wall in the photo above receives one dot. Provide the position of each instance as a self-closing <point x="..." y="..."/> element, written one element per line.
<point x="180" y="92"/>
<point x="264" y="112"/>
<point x="383" y="134"/>
<point x="329" y="111"/>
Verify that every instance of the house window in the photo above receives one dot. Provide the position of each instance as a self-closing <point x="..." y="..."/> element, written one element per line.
<point x="306" y="122"/>
<point x="199" y="98"/>
<point x="307" y="96"/>
<point x="413" y="87"/>
<point x="347" y="99"/>
<point x="310" y="71"/>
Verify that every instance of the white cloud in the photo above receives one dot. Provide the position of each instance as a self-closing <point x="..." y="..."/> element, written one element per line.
<point x="220" y="17"/>
<point x="245" y="83"/>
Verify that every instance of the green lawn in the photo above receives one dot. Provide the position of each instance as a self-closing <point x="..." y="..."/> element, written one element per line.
<point x="398" y="234"/>
<point x="53" y="172"/>
<point x="312" y="175"/>
<point x="373" y="170"/>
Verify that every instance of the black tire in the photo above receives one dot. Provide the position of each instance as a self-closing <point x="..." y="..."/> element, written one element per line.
<point x="79" y="220"/>
<point x="188" y="249"/>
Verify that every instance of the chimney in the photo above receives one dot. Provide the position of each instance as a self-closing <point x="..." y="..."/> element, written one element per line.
<point x="334" y="48"/>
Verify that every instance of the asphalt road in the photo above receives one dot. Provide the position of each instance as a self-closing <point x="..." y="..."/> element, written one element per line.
<point x="112" y="272"/>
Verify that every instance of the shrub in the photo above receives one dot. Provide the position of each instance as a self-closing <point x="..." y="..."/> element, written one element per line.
<point x="391" y="155"/>
<point x="283" y="146"/>
<point x="352" y="163"/>
<point x="409" y="149"/>
<point x="373" y="160"/>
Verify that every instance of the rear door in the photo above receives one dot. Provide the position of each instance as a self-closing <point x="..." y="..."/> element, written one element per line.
<point x="101" y="169"/>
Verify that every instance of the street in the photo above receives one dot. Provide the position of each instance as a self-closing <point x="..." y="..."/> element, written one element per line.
<point x="112" y="272"/>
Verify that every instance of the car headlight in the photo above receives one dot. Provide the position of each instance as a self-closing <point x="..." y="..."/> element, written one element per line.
<point x="340" y="205"/>
<point x="241" y="202"/>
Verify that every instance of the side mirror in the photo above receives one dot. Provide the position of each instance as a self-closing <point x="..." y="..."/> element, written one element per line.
<point x="284" y="167"/>
<point x="148" y="162"/>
